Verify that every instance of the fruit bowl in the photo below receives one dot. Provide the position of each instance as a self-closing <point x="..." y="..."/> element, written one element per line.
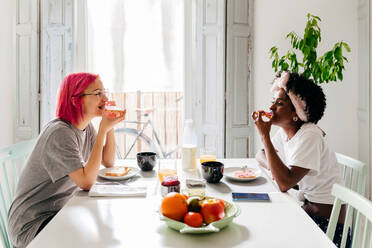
<point x="231" y="211"/>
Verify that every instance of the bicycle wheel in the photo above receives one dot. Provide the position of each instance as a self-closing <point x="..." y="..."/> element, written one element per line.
<point x="126" y="138"/>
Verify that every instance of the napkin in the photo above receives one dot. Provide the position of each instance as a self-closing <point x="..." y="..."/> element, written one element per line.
<point x="100" y="189"/>
<point x="195" y="183"/>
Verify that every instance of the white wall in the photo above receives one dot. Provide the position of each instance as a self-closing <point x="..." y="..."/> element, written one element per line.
<point x="272" y="21"/>
<point x="7" y="72"/>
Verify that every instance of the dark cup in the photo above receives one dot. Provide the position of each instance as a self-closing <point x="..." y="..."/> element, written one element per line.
<point x="146" y="160"/>
<point x="212" y="171"/>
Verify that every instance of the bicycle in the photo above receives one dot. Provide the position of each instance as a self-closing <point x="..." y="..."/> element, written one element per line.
<point x="155" y="146"/>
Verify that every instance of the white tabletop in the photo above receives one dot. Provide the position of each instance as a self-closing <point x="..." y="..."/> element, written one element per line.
<point x="134" y="221"/>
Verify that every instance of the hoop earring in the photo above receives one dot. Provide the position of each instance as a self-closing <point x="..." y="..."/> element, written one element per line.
<point x="295" y="119"/>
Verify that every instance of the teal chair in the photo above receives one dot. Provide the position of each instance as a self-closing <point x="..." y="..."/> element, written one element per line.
<point x="355" y="173"/>
<point x="12" y="159"/>
<point x="363" y="208"/>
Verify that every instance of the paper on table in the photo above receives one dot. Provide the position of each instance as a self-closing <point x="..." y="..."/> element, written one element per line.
<point x="117" y="190"/>
<point x="190" y="183"/>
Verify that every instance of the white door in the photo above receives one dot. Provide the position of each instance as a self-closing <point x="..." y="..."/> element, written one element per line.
<point x="210" y="74"/>
<point x="56" y="52"/>
<point x="239" y="130"/>
<point x="27" y="71"/>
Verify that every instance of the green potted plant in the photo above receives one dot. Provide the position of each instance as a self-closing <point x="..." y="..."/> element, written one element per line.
<point x="326" y="68"/>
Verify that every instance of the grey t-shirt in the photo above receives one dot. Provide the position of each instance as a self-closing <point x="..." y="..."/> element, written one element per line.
<point x="44" y="186"/>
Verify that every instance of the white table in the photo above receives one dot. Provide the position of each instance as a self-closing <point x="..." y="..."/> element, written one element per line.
<point x="134" y="222"/>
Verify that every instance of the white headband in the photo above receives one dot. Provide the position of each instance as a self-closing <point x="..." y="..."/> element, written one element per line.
<point x="298" y="103"/>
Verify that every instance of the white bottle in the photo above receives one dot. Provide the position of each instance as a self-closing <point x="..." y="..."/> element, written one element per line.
<point x="189" y="147"/>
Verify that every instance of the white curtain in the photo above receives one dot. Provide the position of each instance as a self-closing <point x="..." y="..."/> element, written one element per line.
<point x="137" y="44"/>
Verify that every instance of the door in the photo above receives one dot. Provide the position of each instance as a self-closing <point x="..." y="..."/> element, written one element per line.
<point x="210" y="74"/>
<point x="27" y="71"/>
<point x="239" y="129"/>
<point x="56" y="52"/>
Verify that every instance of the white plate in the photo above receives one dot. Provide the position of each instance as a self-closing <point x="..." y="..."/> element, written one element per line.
<point x="134" y="171"/>
<point x="229" y="173"/>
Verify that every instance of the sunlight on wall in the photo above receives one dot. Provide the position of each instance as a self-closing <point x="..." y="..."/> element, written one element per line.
<point x="137" y="45"/>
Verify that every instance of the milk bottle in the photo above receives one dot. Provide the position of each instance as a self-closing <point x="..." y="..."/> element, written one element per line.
<point x="189" y="147"/>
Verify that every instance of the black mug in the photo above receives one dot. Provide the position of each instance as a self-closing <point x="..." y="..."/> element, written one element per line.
<point x="212" y="171"/>
<point x="146" y="160"/>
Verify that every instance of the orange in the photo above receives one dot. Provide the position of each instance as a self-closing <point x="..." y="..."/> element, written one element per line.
<point x="193" y="219"/>
<point x="174" y="206"/>
<point x="185" y="196"/>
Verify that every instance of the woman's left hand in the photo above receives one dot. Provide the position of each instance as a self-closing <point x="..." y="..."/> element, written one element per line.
<point x="263" y="127"/>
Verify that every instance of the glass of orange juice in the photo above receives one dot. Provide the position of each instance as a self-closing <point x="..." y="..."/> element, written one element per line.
<point x="167" y="167"/>
<point x="207" y="154"/>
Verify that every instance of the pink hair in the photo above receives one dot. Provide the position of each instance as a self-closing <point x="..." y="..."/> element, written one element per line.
<point x="69" y="104"/>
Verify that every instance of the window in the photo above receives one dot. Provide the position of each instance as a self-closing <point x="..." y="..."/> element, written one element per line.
<point x="137" y="47"/>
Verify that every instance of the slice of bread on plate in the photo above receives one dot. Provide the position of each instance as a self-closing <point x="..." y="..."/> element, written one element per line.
<point x="118" y="171"/>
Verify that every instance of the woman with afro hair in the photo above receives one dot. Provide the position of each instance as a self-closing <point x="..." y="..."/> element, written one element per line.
<point x="298" y="154"/>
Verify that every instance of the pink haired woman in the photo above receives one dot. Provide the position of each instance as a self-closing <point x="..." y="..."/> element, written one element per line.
<point x="67" y="156"/>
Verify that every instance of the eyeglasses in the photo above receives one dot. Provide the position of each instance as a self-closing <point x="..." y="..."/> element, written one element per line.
<point x="101" y="94"/>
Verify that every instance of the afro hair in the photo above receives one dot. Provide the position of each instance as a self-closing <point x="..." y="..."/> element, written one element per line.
<point x="309" y="92"/>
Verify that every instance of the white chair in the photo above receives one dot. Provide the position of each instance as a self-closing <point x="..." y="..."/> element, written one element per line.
<point x="363" y="209"/>
<point x="12" y="159"/>
<point x="355" y="173"/>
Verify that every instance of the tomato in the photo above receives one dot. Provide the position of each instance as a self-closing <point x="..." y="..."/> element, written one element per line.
<point x="193" y="219"/>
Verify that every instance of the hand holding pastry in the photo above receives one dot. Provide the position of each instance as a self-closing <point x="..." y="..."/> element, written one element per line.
<point x="263" y="127"/>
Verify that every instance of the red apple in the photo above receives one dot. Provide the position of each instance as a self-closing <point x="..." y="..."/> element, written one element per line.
<point x="212" y="210"/>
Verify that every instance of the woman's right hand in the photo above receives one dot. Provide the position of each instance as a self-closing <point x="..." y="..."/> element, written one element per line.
<point x="263" y="127"/>
<point x="107" y="122"/>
